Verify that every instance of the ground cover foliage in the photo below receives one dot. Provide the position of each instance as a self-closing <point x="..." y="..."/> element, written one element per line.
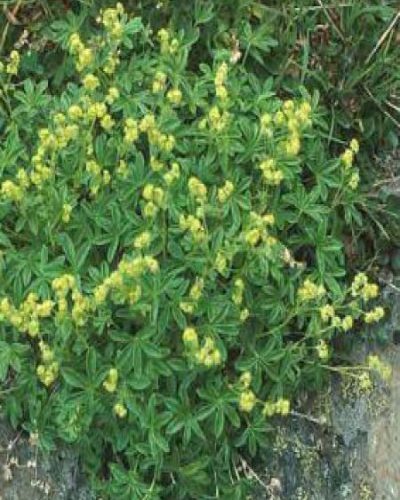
<point x="173" y="221"/>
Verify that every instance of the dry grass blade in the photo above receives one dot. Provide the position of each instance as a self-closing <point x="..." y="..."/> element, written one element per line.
<point x="383" y="37"/>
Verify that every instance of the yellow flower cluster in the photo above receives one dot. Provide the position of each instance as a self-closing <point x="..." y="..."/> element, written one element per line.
<point x="81" y="304"/>
<point x="81" y="308"/>
<point x="156" y="165"/>
<point x="374" y="315"/>
<point x="238" y="289"/>
<point x="173" y="174"/>
<point x="12" y="191"/>
<point x="196" y="290"/>
<point x="217" y="120"/>
<point x="266" y="124"/>
<point x="167" y="45"/>
<point x="111" y="382"/>
<point x="219" y="81"/>
<point x="208" y="355"/>
<point x="13" y="64"/>
<point x="194" y="226"/>
<point x="159" y="82"/>
<point x="295" y="116"/>
<point x="383" y="370"/>
<point x="120" y="410"/>
<point x="258" y="230"/>
<point x="322" y="350"/>
<point x="119" y="280"/>
<point x="190" y="338"/>
<point x="112" y="95"/>
<point x="271" y="174"/>
<point x="220" y="262"/>
<point x="247" y="400"/>
<point x="279" y="407"/>
<point x="111" y="20"/>
<point x="90" y="82"/>
<point x="310" y="291"/>
<point x="362" y="288"/>
<point x="98" y="176"/>
<point x="225" y="192"/>
<point x="327" y="312"/>
<point x="142" y="241"/>
<point x="347" y="159"/>
<point x="131" y="130"/>
<point x="347" y="156"/>
<point x="155" y="197"/>
<point x="85" y="55"/>
<point x="174" y="96"/>
<point x="26" y="317"/>
<point x="148" y="125"/>
<point x="197" y="189"/>
<point x="48" y="370"/>
<point x="66" y="212"/>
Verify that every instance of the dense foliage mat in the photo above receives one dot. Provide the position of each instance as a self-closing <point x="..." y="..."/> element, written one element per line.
<point x="173" y="271"/>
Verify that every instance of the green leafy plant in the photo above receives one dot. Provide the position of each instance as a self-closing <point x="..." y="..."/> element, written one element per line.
<point x="172" y="268"/>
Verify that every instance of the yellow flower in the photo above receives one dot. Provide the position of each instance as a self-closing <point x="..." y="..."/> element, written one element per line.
<point x="244" y="314"/>
<point x="143" y="240"/>
<point x="159" y="82"/>
<point x="107" y="122"/>
<point x="75" y="112"/>
<point x="322" y="350"/>
<point x="292" y="145"/>
<point x="253" y="236"/>
<point x="174" y="96"/>
<point x="85" y="58"/>
<point x="327" y="311"/>
<point x="186" y="307"/>
<point x="220" y="263"/>
<point x="113" y="94"/>
<point x="13" y="65"/>
<point x="131" y="130"/>
<point x="310" y="291"/>
<point x="197" y="189"/>
<point x="197" y="289"/>
<point x="208" y="355"/>
<point x="110" y="384"/>
<point x="245" y="379"/>
<point x="156" y="165"/>
<point x="225" y="192"/>
<point x="354" y="180"/>
<point x="282" y="406"/>
<point x="75" y="44"/>
<point x="369" y="291"/>
<point x="347" y="158"/>
<point x="359" y="281"/>
<point x="66" y="212"/>
<point x="91" y="82"/>
<point x="44" y="309"/>
<point x="374" y="315"/>
<point x="354" y="146"/>
<point x="120" y="410"/>
<point x="247" y="401"/>
<point x="347" y="323"/>
<point x="190" y="337"/>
